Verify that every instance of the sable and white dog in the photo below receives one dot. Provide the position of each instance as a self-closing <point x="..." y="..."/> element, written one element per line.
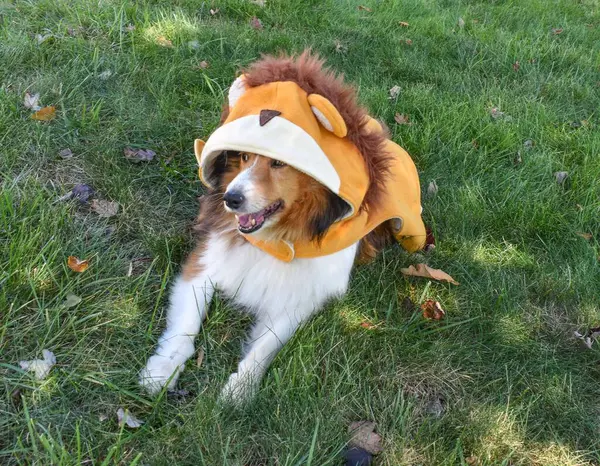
<point x="277" y="232"/>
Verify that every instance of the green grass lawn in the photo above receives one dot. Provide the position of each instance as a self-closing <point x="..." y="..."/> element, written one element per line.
<point x="515" y="386"/>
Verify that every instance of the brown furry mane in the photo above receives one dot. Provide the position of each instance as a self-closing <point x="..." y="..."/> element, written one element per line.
<point x="308" y="71"/>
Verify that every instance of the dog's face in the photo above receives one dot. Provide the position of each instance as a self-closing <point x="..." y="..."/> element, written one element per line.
<point x="275" y="201"/>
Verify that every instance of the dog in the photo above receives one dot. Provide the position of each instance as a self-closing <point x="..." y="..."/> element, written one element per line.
<point x="303" y="185"/>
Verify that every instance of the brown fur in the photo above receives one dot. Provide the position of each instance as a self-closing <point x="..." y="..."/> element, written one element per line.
<point x="308" y="71"/>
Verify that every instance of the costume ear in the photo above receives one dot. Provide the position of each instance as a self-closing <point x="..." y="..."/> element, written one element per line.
<point x="327" y="115"/>
<point x="236" y="90"/>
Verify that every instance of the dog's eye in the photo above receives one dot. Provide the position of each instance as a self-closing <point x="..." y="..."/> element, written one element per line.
<point x="277" y="164"/>
<point x="245" y="157"/>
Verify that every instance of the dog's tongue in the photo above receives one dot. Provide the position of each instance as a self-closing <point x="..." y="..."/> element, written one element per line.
<point x="246" y="220"/>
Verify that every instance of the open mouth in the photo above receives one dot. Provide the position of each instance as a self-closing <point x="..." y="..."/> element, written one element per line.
<point x="249" y="223"/>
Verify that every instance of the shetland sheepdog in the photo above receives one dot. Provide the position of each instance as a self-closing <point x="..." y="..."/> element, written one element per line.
<point x="263" y="197"/>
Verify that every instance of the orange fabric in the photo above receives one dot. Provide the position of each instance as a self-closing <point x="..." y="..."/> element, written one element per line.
<point x="402" y="197"/>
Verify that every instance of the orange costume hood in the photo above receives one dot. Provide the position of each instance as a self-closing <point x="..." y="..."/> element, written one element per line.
<point x="281" y="121"/>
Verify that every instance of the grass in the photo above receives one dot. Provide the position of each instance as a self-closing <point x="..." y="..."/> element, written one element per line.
<point x="514" y="386"/>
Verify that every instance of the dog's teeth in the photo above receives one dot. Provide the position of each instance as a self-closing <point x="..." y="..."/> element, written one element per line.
<point x="253" y="222"/>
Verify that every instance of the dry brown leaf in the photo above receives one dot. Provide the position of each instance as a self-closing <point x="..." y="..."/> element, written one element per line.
<point x="104" y="208"/>
<point x="404" y="24"/>
<point x="256" y="23"/>
<point x="126" y="418"/>
<point x="557" y="31"/>
<point x="402" y="119"/>
<point x="364" y="8"/>
<point x="364" y="436"/>
<point x="432" y="310"/>
<point x="164" y="42"/>
<point x="395" y="91"/>
<point x="516" y="66"/>
<point x="77" y="265"/>
<point x="423" y="270"/>
<point x="587" y="236"/>
<point x="561" y="177"/>
<point x="432" y="189"/>
<point x="32" y="101"/>
<point x="45" y="114"/>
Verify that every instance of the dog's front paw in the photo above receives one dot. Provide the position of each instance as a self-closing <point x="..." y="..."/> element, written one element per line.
<point x="239" y="389"/>
<point x="158" y="371"/>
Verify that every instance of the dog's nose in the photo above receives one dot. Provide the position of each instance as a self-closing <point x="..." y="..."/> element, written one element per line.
<point x="233" y="199"/>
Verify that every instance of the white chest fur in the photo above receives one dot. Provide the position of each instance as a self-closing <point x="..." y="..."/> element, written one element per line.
<point x="265" y="285"/>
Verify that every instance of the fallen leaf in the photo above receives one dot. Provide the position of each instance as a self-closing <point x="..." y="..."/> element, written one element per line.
<point x="105" y="75"/>
<point x="256" y="23"/>
<point x="339" y="47"/>
<point x="423" y="270"/>
<point x="260" y="3"/>
<point x="557" y="31"/>
<point x="561" y="177"/>
<point x="41" y="367"/>
<point x="200" y="358"/>
<point x="41" y="39"/>
<point x="432" y="310"/>
<point x="395" y="92"/>
<point x="516" y="66"/>
<point x="404" y="24"/>
<point x="496" y="113"/>
<point x="45" y="114"/>
<point x="105" y="208"/>
<point x="471" y="460"/>
<point x="126" y="418"/>
<point x="31" y="101"/>
<point x="71" y="300"/>
<point x="402" y="119"/>
<point x="432" y="189"/>
<point x="139" y="155"/>
<point x="518" y="158"/>
<point x="214" y="12"/>
<point x="364" y="436"/>
<point x="77" y="265"/>
<point x="82" y="192"/>
<point x="203" y="65"/>
<point x="460" y="23"/>
<point x="66" y="153"/>
<point x="364" y="8"/>
<point x="164" y="42"/>
<point x="586" y="236"/>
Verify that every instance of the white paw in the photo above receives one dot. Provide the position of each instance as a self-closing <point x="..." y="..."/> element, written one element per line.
<point x="158" y="371"/>
<point x="239" y="389"/>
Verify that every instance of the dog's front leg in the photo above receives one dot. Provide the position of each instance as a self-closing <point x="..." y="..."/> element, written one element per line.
<point x="267" y="337"/>
<point x="189" y="301"/>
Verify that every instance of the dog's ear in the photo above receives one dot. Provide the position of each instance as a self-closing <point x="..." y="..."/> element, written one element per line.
<point x="333" y="209"/>
<point x="328" y="115"/>
<point x="237" y="89"/>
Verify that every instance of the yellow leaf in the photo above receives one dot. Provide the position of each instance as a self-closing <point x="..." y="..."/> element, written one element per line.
<point x="45" y="114"/>
<point x="77" y="265"/>
<point x="422" y="270"/>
